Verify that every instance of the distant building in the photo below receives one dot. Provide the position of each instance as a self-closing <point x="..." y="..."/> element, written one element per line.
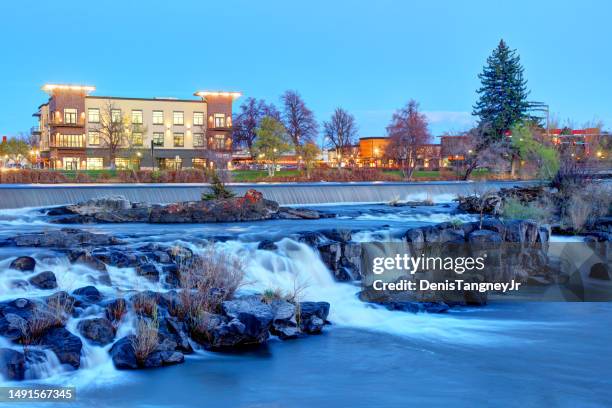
<point x="373" y="153"/>
<point x="175" y="133"/>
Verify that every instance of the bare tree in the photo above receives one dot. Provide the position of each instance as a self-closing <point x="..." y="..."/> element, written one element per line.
<point x="298" y="119"/>
<point x="408" y="132"/>
<point x="340" y="132"/>
<point x="252" y="111"/>
<point x="113" y="130"/>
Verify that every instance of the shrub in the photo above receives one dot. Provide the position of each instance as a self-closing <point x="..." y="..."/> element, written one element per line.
<point x="146" y="338"/>
<point x="218" y="190"/>
<point x="515" y="209"/>
<point x="206" y="280"/>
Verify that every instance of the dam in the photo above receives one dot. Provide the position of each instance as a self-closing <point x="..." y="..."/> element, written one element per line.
<point x="40" y="195"/>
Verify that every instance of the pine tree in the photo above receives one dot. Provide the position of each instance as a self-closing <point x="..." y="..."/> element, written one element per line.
<point x="503" y="93"/>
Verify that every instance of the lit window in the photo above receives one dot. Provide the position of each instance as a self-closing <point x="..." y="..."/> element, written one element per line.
<point x="199" y="140"/>
<point x="115" y="115"/>
<point x="122" y="163"/>
<point x="179" y="139"/>
<point x="158" y="117"/>
<point x="199" y="163"/>
<point x="178" y="118"/>
<point x="62" y="140"/>
<point x="93" y="138"/>
<point x="95" y="163"/>
<point x="198" y="118"/>
<point x="93" y="115"/>
<point x="70" y="116"/>
<point x="137" y="117"/>
<point x="219" y="120"/>
<point x="219" y="142"/>
<point x="158" y="139"/>
<point x="137" y="139"/>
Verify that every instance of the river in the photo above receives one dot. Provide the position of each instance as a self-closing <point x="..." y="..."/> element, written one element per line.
<point x="510" y="354"/>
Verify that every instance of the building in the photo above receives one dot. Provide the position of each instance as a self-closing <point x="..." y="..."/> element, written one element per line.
<point x="454" y="150"/>
<point x="372" y="153"/>
<point x="76" y="129"/>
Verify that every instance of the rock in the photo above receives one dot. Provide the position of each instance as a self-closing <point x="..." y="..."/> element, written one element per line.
<point x="178" y="332"/>
<point x="64" y="238"/>
<point x="255" y="316"/>
<point x="99" y="331"/>
<point x="600" y="271"/>
<point x="289" y="213"/>
<point x="123" y="354"/>
<point x="87" y="295"/>
<point x="44" y="280"/>
<point x="84" y="257"/>
<point x="115" y="310"/>
<point x="19" y="284"/>
<point x="66" y="346"/>
<point x="484" y="238"/>
<point x="23" y="263"/>
<point x="339" y="235"/>
<point x="267" y="245"/>
<point x="284" y="324"/>
<point x="12" y="326"/>
<point x="12" y="365"/>
<point x="313" y="316"/>
<point x="416" y="237"/>
<point x="161" y="257"/>
<point x="148" y="271"/>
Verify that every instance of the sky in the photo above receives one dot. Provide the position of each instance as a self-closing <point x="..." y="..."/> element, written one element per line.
<point x="369" y="57"/>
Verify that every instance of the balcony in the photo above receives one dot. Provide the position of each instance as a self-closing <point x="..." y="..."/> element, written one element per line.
<point x="35" y="130"/>
<point x="60" y="122"/>
<point x="68" y="142"/>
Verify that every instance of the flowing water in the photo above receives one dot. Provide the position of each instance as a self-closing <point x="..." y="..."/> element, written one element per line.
<point x="549" y="354"/>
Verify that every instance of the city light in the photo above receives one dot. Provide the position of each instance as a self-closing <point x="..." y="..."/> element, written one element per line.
<point x="204" y="94"/>
<point x="60" y="87"/>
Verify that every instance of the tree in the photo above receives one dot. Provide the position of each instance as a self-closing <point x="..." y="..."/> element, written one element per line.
<point x="309" y="153"/>
<point x="478" y="152"/>
<point x="340" y="132"/>
<point x="248" y="119"/>
<point x="298" y="119"/>
<point x="528" y="148"/>
<point x="113" y="130"/>
<point x="503" y="93"/>
<point x="272" y="141"/>
<point x="407" y="132"/>
<point x="14" y="149"/>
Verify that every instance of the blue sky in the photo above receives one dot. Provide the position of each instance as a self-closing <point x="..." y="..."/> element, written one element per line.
<point x="369" y="57"/>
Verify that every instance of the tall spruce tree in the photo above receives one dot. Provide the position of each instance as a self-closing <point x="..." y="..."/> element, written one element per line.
<point x="503" y="93"/>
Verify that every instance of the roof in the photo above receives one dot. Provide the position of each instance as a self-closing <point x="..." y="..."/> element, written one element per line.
<point x="144" y="99"/>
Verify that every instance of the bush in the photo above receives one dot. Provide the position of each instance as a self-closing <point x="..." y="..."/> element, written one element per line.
<point x="146" y="338"/>
<point x="515" y="209"/>
<point x="218" y="190"/>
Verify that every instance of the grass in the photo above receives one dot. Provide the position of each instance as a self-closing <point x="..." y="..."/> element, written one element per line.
<point x="93" y="174"/>
<point x="241" y="176"/>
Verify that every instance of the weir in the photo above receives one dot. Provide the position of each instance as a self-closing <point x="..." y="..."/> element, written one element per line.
<point x="40" y="195"/>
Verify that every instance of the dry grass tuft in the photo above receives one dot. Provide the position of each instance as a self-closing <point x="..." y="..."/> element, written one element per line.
<point x="146" y="338"/>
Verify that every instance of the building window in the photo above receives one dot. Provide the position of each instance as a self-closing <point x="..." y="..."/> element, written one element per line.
<point x="199" y="163"/>
<point x="70" y="163"/>
<point x="122" y="163"/>
<point x="179" y="139"/>
<point x="95" y="163"/>
<point x="169" y="164"/>
<point x="198" y="118"/>
<point x="158" y="117"/>
<point x="115" y="115"/>
<point x="93" y="115"/>
<point x="219" y="142"/>
<point x="199" y="140"/>
<point x="158" y="138"/>
<point x="70" y="116"/>
<point x="93" y="138"/>
<point x="219" y="120"/>
<point x="62" y="140"/>
<point x="137" y="117"/>
<point x="178" y="118"/>
<point x="136" y="138"/>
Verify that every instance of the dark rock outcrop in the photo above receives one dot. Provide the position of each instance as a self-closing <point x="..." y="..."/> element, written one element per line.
<point x="44" y="280"/>
<point x="313" y="316"/>
<point x="64" y="238"/>
<point x="23" y="263"/>
<point x="99" y="331"/>
<point x="12" y="364"/>
<point x="66" y="346"/>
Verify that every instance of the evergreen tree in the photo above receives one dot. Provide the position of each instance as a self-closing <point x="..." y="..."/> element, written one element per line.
<point x="503" y="94"/>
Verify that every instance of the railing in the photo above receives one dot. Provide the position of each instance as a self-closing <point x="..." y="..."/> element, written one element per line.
<point x="60" y="122"/>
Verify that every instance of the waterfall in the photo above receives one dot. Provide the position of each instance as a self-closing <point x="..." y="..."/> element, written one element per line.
<point x="33" y="195"/>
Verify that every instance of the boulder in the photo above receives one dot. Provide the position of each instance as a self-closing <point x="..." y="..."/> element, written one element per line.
<point x="484" y="237"/>
<point x="99" y="331"/>
<point x="66" y="346"/>
<point x="12" y="365"/>
<point x="268" y="245"/>
<point x="255" y="317"/>
<point x="148" y="271"/>
<point x="289" y="213"/>
<point x="176" y="331"/>
<point x="123" y="354"/>
<point x="85" y="257"/>
<point x="23" y="263"/>
<point x="115" y="309"/>
<point x="44" y="280"/>
<point x="86" y="296"/>
<point x="600" y="271"/>
<point x="313" y="316"/>
<point x="12" y="326"/>
<point x="284" y="324"/>
<point x="64" y="238"/>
